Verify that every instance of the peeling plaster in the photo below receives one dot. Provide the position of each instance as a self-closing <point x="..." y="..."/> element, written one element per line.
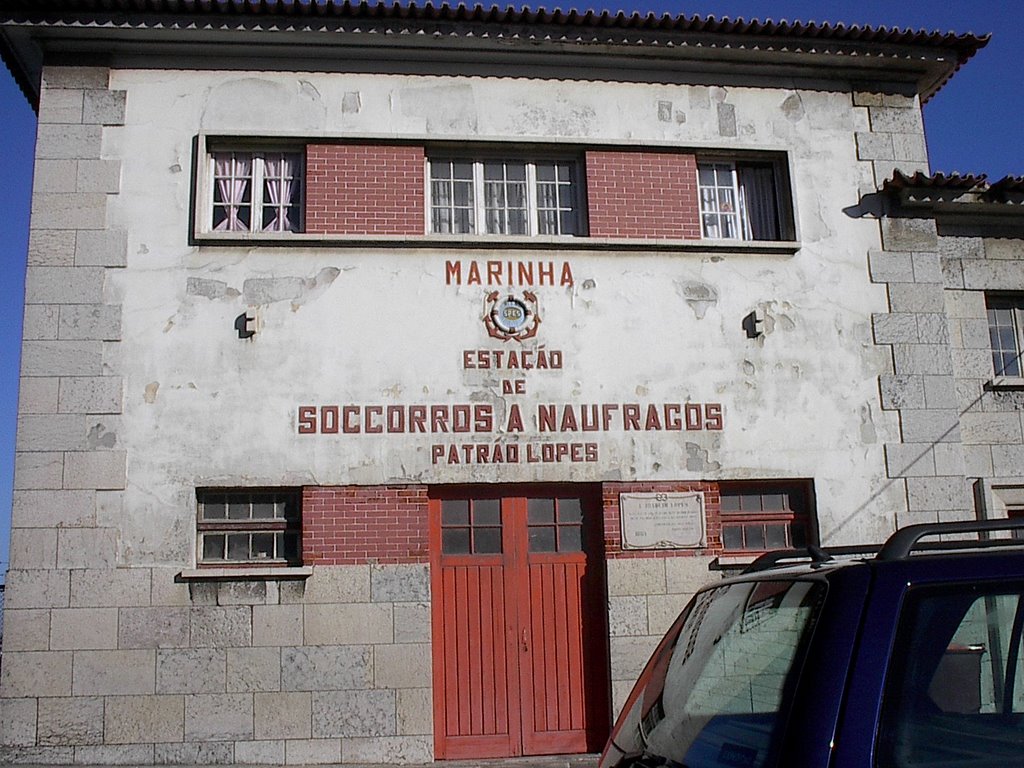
<point x="297" y="290"/>
<point x="243" y="103"/>
<point x="700" y="296"/>
<point x="697" y="460"/>
<point x="793" y="107"/>
<point x="150" y="394"/>
<point x="210" y="289"/>
<point x="445" y="108"/>
<point x="868" y="435"/>
<point x="99" y="437"/>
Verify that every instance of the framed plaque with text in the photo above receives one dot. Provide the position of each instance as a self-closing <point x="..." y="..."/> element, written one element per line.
<point x="672" y="520"/>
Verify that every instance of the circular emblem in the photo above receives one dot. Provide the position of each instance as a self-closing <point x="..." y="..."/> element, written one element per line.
<point x="511" y="317"/>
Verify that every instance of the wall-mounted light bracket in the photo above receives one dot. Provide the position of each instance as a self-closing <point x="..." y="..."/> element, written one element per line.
<point x="753" y="324"/>
<point x="245" y="324"/>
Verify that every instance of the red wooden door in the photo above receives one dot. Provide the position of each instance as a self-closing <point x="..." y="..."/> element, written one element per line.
<point x="518" y="621"/>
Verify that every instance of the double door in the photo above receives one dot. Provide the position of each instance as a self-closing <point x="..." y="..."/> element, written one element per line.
<point x="519" y="630"/>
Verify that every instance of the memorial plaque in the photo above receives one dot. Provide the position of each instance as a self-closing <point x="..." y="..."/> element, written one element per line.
<point x="662" y="520"/>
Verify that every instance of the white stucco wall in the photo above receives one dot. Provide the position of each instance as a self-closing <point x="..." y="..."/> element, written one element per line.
<point x="378" y="325"/>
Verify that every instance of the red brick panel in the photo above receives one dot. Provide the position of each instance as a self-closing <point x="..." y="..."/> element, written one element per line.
<point x="352" y="525"/>
<point x="356" y="189"/>
<point x="613" y="529"/>
<point x="650" y="195"/>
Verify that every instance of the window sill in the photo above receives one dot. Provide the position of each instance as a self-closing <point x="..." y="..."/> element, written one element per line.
<point x="1006" y="382"/>
<point x="305" y="239"/>
<point x="245" y="574"/>
<point x="734" y="561"/>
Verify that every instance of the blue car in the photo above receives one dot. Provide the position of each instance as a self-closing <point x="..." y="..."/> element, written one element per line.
<point x="907" y="655"/>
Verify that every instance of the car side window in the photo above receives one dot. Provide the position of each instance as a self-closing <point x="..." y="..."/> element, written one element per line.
<point x="955" y="692"/>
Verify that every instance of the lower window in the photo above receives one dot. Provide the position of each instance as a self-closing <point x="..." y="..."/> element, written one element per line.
<point x="760" y="516"/>
<point x="249" y="526"/>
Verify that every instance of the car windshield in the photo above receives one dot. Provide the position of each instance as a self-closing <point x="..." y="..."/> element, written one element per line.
<point x="715" y="694"/>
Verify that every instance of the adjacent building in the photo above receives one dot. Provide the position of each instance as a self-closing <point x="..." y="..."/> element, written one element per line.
<point x="392" y="374"/>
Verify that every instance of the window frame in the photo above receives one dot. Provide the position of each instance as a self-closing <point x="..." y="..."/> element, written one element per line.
<point x="290" y="524"/>
<point x="479" y="209"/>
<point x="258" y="150"/>
<point x="792" y="518"/>
<point x="1012" y="301"/>
<point x="781" y="186"/>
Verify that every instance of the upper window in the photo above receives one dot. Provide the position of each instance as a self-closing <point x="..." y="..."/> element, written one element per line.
<point x="1006" y="332"/>
<point x="503" y="197"/>
<point x="739" y="200"/>
<point x="248" y="527"/>
<point x="256" y="191"/>
<point x="761" y="516"/>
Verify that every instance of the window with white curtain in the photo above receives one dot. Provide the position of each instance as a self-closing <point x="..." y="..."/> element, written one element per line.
<point x="503" y="197"/>
<point x="256" y="191"/>
<point x="740" y="200"/>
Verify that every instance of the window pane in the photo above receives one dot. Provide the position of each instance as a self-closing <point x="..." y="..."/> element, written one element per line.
<point x="548" y="223"/>
<point x="570" y="538"/>
<point x="487" y="540"/>
<point x="545" y="172"/>
<point x="516" y="171"/>
<point x="214" y="509"/>
<point x="542" y="539"/>
<point x="238" y="510"/>
<point x="455" y="541"/>
<point x="753" y="536"/>
<point x="292" y="549"/>
<point x="775" y="536"/>
<point x="264" y="509"/>
<point x="568" y="223"/>
<point x="774" y="501"/>
<point x="454" y="512"/>
<point x="569" y="511"/>
<point x="213" y="546"/>
<point x="238" y="546"/>
<point x="732" y="537"/>
<point x="517" y="222"/>
<point x="487" y="512"/>
<point x="751" y="502"/>
<point x="263" y="545"/>
<point x="730" y="503"/>
<point x="463" y="192"/>
<point x="540" y="511"/>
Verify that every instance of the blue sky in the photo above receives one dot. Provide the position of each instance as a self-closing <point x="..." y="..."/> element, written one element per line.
<point x="973" y="125"/>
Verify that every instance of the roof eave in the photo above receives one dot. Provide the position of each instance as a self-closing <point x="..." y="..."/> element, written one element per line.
<point x="25" y="42"/>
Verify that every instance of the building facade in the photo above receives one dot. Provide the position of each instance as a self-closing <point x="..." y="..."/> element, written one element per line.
<point x="391" y="376"/>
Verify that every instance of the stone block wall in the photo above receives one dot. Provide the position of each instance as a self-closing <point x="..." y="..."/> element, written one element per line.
<point x="991" y="419"/>
<point x="142" y="668"/>
<point x="928" y="461"/>
<point x="69" y="466"/>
